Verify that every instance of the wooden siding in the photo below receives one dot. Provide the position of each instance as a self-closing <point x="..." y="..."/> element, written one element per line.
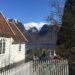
<point x="12" y="53"/>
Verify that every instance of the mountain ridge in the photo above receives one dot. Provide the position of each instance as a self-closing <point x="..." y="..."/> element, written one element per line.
<point x="47" y="33"/>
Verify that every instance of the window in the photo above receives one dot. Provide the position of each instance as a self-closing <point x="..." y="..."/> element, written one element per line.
<point x="52" y="53"/>
<point x="19" y="47"/>
<point x="2" y="46"/>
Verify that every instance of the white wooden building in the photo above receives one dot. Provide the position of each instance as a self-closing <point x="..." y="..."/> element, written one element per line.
<point x="12" y="43"/>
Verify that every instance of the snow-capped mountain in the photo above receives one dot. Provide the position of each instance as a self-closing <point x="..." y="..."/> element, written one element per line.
<point x="33" y="30"/>
<point x="34" y="24"/>
<point x="46" y="34"/>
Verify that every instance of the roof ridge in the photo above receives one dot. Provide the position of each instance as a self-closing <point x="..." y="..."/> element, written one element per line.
<point x="20" y="31"/>
<point x="7" y="23"/>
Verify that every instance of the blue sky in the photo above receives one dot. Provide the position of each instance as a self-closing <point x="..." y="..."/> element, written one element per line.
<point x="25" y="10"/>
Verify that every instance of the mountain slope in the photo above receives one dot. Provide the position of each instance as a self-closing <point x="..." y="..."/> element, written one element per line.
<point x="47" y="34"/>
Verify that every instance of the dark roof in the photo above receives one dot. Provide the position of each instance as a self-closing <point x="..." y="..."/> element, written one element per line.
<point x="57" y="57"/>
<point x="9" y="29"/>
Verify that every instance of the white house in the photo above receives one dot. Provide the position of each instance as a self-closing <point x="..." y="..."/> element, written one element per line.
<point x="12" y="43"/>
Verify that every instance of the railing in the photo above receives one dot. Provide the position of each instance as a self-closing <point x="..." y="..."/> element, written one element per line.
<point x="50" y="67"/>
<point x="39" y="67"/>
<point x="24" y="69"/>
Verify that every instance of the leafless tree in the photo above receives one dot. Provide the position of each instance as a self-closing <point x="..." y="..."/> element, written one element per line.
<point x="56" y="11"/>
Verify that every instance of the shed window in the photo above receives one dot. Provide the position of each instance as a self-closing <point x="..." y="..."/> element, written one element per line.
<point x="2" y="46"/>
<point x="52" y="53"/>
<point x="19" y="47"/>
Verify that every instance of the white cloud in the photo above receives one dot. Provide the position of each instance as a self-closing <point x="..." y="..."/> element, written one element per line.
<point x="38" y="25"/>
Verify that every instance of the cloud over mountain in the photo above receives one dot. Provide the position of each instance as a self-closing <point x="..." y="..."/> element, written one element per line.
<point x="38" y="25"/>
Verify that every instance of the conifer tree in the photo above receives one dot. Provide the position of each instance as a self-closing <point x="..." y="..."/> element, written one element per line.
<point x="66" y="34"/>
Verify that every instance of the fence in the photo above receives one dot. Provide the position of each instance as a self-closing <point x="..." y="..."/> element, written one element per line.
<point x="40" y="67"/>
<point x="50" y="67"/>
<point x="24" y="69"/>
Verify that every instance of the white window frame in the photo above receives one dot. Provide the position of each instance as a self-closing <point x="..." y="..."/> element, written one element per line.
<point x="2" y="46"/>
<point x="19" y="47"/>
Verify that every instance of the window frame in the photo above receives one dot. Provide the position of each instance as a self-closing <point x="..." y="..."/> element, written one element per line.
<point x="2" y="44"/>
<point x="19" y="47"/>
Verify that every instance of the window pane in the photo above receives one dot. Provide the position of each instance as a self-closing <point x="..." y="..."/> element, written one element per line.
<point x="19" y="47"/>
<point x="3" y="46"/>
<point x="52" y="53"/>
<point x="0" y="46"/>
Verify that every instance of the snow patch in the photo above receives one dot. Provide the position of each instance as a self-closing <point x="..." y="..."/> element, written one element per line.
<point x="34" y="24"/>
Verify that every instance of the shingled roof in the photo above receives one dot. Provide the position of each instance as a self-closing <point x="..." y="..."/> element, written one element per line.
<point x="5" y="29"/>
<point x="9" y="29"/>
<point x="18" y="35"/>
